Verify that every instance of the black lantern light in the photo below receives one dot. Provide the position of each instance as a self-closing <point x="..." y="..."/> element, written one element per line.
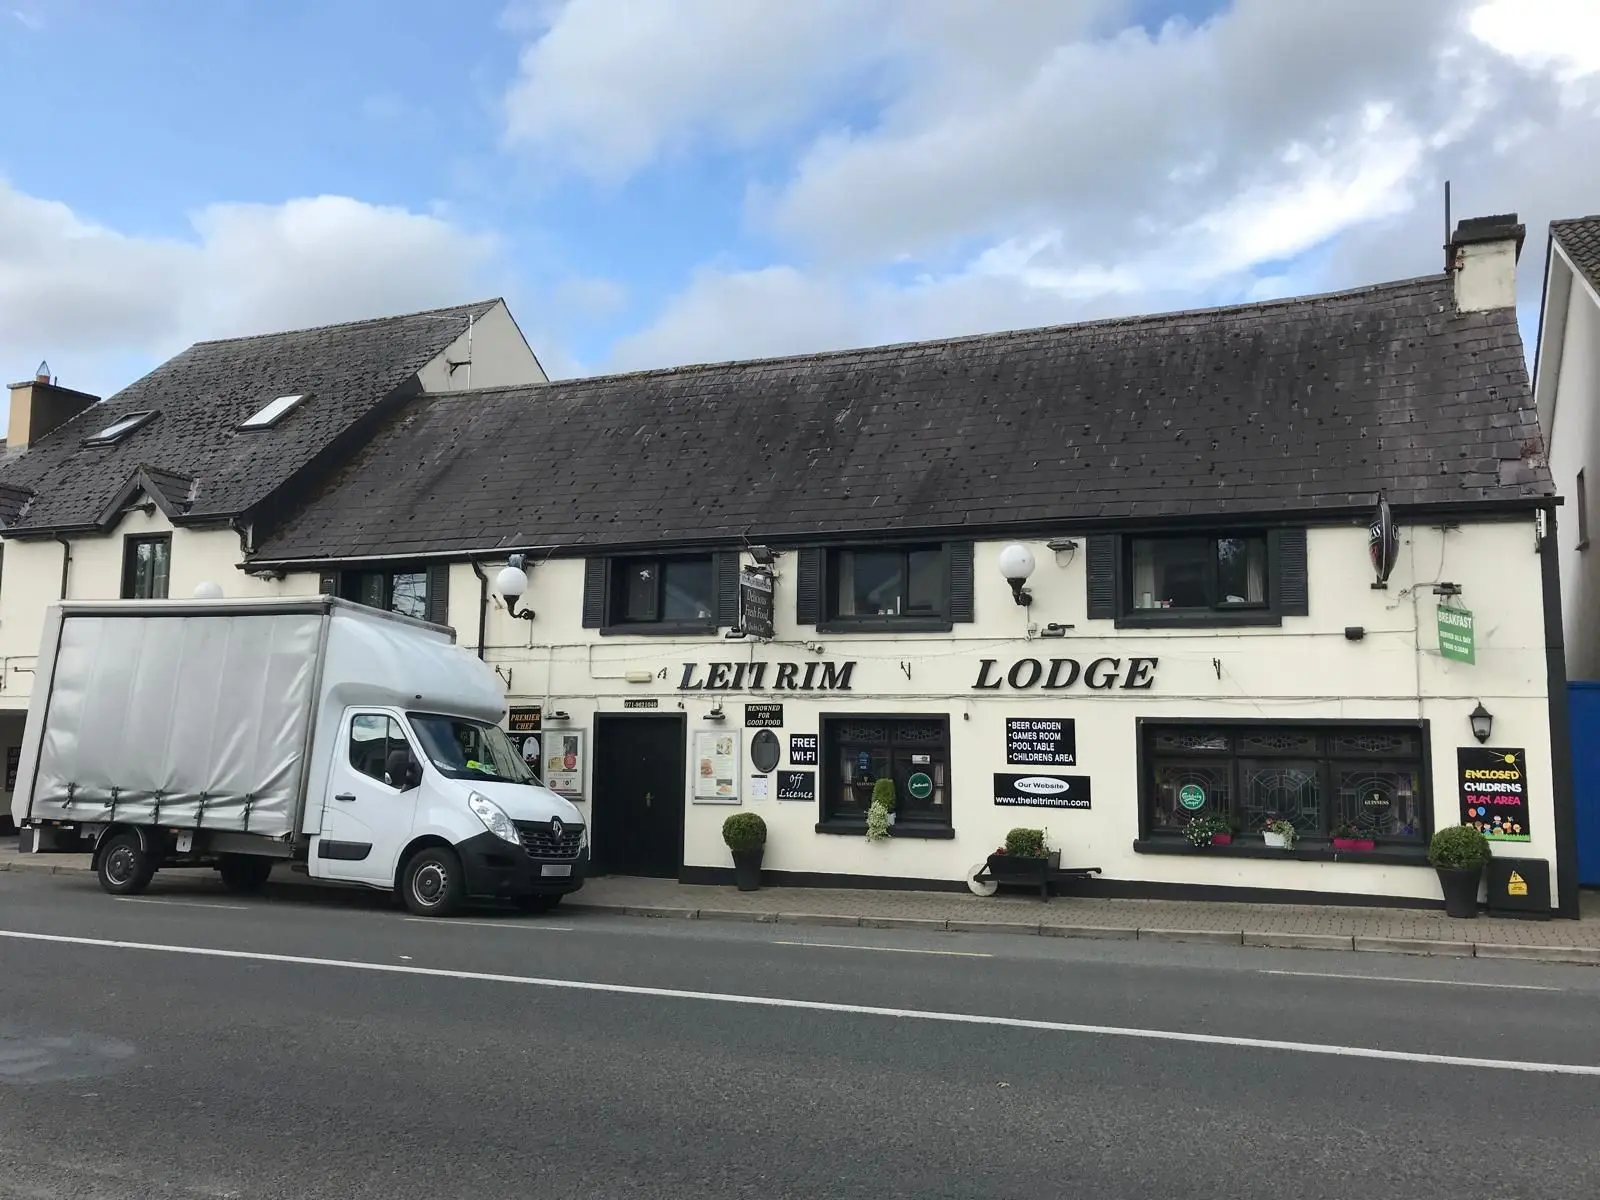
<point x="1482" y="722"/>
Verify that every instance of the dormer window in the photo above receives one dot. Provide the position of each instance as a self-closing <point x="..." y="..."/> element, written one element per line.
<point x="120" y="428"/>
<point x="273" y="412"/>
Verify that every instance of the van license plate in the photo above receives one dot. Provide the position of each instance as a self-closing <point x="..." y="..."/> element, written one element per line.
<point x="557" y="869"/>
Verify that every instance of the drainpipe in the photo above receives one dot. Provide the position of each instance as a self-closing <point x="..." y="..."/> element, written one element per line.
<point x="483" y="604"/>
<point x="66" y="563"/>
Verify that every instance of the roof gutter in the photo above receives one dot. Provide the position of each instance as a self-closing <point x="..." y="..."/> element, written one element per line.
<point x="1061" y="526"/>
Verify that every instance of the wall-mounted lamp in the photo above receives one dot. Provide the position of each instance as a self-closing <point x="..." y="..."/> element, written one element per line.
<point x="1447" y="589"/>
<point x="1054" y="630"/>
<point x="560" y="714"/>
<point x="1482" y="722"/>
<point x="1354" y="633"/>
<point x="511" y="583"/>
<point x="208" y="591"/>
<point x="716" y="713"/>
<point x="1016" y="564"/>
<point x="764" y="555"/>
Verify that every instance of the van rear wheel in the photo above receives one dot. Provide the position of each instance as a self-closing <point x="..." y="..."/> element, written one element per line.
<point x="432" y="883"/>
<point x="125" y="868"/>
<point x="244" y="874"/>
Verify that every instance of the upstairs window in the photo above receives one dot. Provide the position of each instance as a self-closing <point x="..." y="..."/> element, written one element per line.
<point x="272" y="413"/>
<point x="120" y="428"/>
<point x="146" y="566"/>
<point x="918" y="588"/>
<point x="651" y="590"/>
<point x="1147" y="581"/>
<point x="404" y="591"/>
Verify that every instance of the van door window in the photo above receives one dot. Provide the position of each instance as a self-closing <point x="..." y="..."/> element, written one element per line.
<point x="378" y="748"/>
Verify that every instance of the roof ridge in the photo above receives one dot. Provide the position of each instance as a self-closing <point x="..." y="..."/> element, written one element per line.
<point x="1129" y="322"/>
<point x="477" y="306"/>
<point x="1574" y="220"/>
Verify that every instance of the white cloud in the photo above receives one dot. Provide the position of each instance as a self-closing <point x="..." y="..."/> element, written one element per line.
<point x="1035" y="175"/>
<point x="99" y="304"/>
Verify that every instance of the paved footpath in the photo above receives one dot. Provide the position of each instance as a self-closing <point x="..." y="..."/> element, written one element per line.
<point x="1291" y="926"/>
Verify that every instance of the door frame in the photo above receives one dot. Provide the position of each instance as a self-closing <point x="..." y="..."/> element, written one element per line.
<point x="620" y="721"/>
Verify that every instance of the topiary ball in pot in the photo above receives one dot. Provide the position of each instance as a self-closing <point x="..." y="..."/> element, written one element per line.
<point x="1458" y="854"/>
<point x="1025" y="843"/>
<point x="746" y="836"/>
<point x="883" y="797"/>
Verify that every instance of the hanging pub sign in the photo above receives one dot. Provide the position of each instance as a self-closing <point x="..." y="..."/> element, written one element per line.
<point x="1041" y="741"/>
<point x="1041" y="791"/>
<point x="1494" y="792"/>
<point x="755" y="601"/>
<point x="1383" y="543"/>
<point x="763" y="716"/>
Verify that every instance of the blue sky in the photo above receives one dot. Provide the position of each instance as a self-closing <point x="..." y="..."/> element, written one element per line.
<point x="652" y="182"/>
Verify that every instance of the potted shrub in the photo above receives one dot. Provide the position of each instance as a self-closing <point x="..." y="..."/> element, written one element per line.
<point x="1026" y="858"/>
<point x="1208" y="830"/>
<point x="1458" y="854"/>
<point x="883" y="793"/>
<point x="1348" y="837"/>
<point x="746" y="836"/>
<point x="1279" y="833"/>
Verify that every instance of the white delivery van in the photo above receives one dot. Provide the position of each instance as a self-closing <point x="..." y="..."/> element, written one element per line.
<point x="357" y="746"/>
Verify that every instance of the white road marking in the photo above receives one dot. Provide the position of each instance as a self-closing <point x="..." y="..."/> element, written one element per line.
<point x="181" y="903"/>
<point x="1512" y="987"/>
<point x="867" y="1010"/>
<point x="487" y="924"/>
<point x="884" y="949"/>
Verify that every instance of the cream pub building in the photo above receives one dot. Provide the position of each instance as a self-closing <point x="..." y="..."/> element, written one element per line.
<point x="1289" y="558"/>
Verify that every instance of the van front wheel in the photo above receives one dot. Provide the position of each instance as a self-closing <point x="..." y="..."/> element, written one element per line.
<point x="125" y="868"/>
<point x="431" y="884"/>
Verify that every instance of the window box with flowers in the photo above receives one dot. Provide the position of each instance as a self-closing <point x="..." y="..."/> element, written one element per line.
<point x="1352" y="839"/>
<point x="1025" y="860"/>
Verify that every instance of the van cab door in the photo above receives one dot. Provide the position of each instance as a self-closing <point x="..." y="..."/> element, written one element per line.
<point x="371" y="803"/>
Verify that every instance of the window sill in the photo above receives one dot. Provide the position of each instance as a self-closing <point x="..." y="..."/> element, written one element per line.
<point x="661" y="629"/>
<point x="886" y="625"/>
<point x="848" y="828"/>
<point x="1390" y="856"/>
<point x="1199" y="620"/>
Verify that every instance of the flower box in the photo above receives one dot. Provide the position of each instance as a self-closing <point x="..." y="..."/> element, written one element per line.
<point x="1279" y="841"/>
<point x="1028" y="871"/>
<point x="1222" y="839"/>
<point x="1355" y="844"/>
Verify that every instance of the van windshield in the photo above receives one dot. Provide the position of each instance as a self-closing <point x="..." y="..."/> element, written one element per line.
<point x="463" y="749"/>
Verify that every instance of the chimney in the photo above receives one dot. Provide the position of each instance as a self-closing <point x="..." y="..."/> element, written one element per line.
<point x="1482" y="255"/>
<point x="38" y="406"/>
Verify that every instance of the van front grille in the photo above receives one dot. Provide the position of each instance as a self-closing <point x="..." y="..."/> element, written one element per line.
<point x="539" y="842"/>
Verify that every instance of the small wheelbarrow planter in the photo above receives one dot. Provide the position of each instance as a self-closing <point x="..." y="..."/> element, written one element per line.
<point x="1025" y="871"/>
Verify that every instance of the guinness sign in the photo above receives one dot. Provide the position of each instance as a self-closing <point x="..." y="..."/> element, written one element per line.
<point x="1383" y="543"/>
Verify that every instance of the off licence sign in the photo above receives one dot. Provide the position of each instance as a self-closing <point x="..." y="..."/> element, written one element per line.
<point x="1041" y="741"/>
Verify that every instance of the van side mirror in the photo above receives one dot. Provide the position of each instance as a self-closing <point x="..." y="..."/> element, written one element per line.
<point x="413" y="775"/>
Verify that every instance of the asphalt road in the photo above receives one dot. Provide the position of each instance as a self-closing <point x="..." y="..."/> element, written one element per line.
<point x="282" y="1048"/>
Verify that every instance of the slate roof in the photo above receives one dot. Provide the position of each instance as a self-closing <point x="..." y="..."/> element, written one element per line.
<point x="1580" y="238"/>
<point x="199" y="463"/>
<point x="1316" y="403"/>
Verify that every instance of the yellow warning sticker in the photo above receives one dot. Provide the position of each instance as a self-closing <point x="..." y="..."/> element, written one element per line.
<point x="1516" y="885"/>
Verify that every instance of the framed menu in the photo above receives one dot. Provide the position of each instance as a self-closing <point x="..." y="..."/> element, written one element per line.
<point x="716" y="767"/>
<point x="564" y="761"/>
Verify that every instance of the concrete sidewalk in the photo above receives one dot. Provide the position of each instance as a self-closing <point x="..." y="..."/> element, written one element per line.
<point x="1293" y="926"/>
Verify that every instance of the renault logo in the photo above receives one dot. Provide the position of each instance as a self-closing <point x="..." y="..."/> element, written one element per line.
<point x="555" y="826"/>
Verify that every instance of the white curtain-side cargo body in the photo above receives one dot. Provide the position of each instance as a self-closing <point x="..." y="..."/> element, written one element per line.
<point x="360" y="747"/>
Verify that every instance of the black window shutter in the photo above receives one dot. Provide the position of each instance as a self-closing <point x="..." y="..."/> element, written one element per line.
<point x="1294" y="591"/>
<point x="328" y="583"/>
<point x="1100" y="570"/>
<point x="439" y="593"/>
<point x="594" y="593"/>
<point x="808" y="588"/>
<point x="961" y="603"/>
<point x="725" y="568"/>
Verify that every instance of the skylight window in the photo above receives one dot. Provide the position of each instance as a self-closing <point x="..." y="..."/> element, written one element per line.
<point x="120" y="428"/>
<point x="274" y="412"/>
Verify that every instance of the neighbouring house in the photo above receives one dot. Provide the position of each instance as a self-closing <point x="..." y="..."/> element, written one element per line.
<point x="168" y="484"/>
<point x="1290" y="559"/>
<point x="1566" y="388"/>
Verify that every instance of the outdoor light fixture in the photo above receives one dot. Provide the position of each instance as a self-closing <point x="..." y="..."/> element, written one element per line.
<point x="1016" y="564"/>
<point x="208" y="591"/>
<point x="763" y="555"/>
<point x="510" y="584"/>
<point x="716" y="713"/>
<point x="560" y="714"/>
<point x="1482" y="722"/>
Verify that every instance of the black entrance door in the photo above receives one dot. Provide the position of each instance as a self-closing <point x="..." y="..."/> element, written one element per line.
<point x="638" y="795"/>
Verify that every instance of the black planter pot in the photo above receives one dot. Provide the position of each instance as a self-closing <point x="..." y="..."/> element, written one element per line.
<point x="747" y="869"/>
<point x="1460" y="886"/>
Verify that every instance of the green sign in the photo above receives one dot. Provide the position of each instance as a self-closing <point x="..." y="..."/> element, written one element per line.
<point x="920" y="786"/>
<point x="1456" y="639"/>
<point x="1192" y="796"/>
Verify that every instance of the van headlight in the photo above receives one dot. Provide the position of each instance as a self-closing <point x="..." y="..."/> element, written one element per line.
<point x="583" y="840"/>
<point x="494" y="818"/>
